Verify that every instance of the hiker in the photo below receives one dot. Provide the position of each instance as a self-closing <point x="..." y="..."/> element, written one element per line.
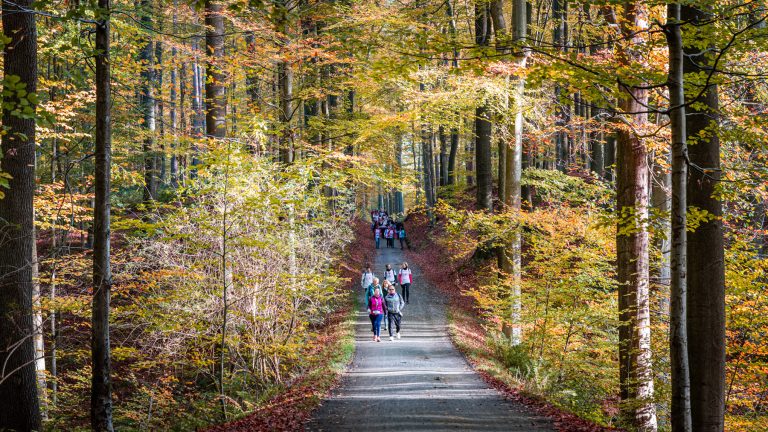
<point x="384" y="290"/>
<point x="403" y="238"/>
<point x="389" y="274"/>
<point x="377" y="309"/>
<point x="390" y="236"/>
<point x="367" y="278"/>
<point x="405" y="278"/>
<point x="371" y="288"/>
<point x="394" y="305"/>
<point x="377" y="236"/>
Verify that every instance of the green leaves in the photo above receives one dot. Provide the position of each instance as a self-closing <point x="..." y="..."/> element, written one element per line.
<point x="16" y="99"/>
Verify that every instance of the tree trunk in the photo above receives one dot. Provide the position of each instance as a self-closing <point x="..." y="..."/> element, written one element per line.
<point x="632" y="174"/>
<point x="560" y="38"/>
<point x="285" y="85"/>
<point x="174" y="162"/>
<point x="678" y="337"/>
<point x="148" y="106"/>
<point x="483" y="164"/>
<point x="101" y="382"/>
<point x="705" y="263"/>
<point x="215" y="97"/>
<point x="37" y="323"/>
<point x="18" y="383"/>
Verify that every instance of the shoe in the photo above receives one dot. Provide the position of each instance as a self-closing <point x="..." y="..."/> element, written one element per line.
<point x="391" y="338"/>
<point x="398" y="335"/>
<point x="378" y="339"/>
<point x="374" y="338"/>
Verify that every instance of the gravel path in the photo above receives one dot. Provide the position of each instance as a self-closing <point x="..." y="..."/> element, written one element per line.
<point x="418" y="383"/>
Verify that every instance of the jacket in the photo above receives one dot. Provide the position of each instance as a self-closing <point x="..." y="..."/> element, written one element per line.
<point x="377" y="304"/>
<point x="394" y="303"/>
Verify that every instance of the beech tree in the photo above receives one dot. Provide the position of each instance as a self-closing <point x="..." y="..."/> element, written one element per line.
<point x="18" y="380"/>
<point x="101" y="380"/>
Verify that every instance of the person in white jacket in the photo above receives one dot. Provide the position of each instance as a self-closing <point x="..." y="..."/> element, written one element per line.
<point x="367" y="278"/>
<point x="405" y="277"/>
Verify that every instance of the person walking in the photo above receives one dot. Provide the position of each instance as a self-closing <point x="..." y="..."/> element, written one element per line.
<point x="403" y="238"/>
<point x="390" y="236"/>
<point x="377" y="236"/>
<point x="367" y="277"/>
<point x="394" y="305"/>
<point x="405" y="277"/>
<point x="389" y="274"/>
<point x="384" y="290"/>
<point x="377" y="309"/>
<point x="369" y="293"/>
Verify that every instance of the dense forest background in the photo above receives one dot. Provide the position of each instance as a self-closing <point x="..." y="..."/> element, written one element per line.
<point x="180" y="181"/>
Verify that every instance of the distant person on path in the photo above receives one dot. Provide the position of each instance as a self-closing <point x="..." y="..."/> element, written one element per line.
<point x="405" y="277"/>
<point x="390" y="234"/>
<point x="367" y="278"/>
<point x="389" y="274"/>
<point x="377" y="236"/>
<point x="376" y="311"/>
<point x="402" y="235"/>
<point x="394" y="305"/>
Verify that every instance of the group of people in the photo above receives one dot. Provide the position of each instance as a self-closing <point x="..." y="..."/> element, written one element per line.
<point x="384" y="305"/>
<point x="383" y="226"/>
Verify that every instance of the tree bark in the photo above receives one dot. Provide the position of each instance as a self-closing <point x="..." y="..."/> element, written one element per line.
<point x="705" y="263"/>
<point x="632" y="174"/>
<point x="101" y="382"/>
<point x="215" y="79"/>
<point x="678" y="337"/>
<point x="148" y="106"/>
<point x="18" y="382"/>
<point x="483" y="164"/>
<point x="285" y="85"/>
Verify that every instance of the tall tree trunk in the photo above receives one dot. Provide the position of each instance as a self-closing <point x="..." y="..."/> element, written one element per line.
<point x="560" y="38"/>
<point x="705" y="264"/>
<point x="160" y="173"/>
<point x="678" y="337"/>
<point x="483" y="164"/>
<point x="454" y="139"/>
<point x="101" y="382"/>
<point x="148" y="105"/>
<point x="632" y="175"/>
<point x="37" y="323"/>
<point x="215" y="79"/>
<point x="443" y="158"/>
<point x="174" y="162"/>
<point x="285" y="85"/>
<point x="18" y="383"/>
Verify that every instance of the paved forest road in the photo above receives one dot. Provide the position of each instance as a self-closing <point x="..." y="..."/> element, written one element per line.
<point x="418" y="383"/>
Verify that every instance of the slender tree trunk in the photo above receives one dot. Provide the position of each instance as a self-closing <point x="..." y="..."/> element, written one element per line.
<point x="18" y="383"/>
<point x="678" y="337"/>
<point x="148" y="106"/>
<point x="174" y="162"/>
<point x="632" y="175"/>
<point x="101" y="382"/>
<point x="215" y="79"/>
<point x="560" y="38"/>
<point x="37" y="322"/>
<point x="705" y="263"/>
<point x="483" y="164"/>
<point x="160" y="172"/>
<point x="285" y="85"/>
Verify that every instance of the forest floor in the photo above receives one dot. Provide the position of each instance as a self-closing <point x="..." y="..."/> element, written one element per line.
<point x="420" y="382"/>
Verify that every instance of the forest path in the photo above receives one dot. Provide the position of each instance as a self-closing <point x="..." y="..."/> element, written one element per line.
<point x="420" y="382"/>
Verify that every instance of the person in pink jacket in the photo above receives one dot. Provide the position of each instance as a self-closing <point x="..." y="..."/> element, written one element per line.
<point x="377" y="310"/>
